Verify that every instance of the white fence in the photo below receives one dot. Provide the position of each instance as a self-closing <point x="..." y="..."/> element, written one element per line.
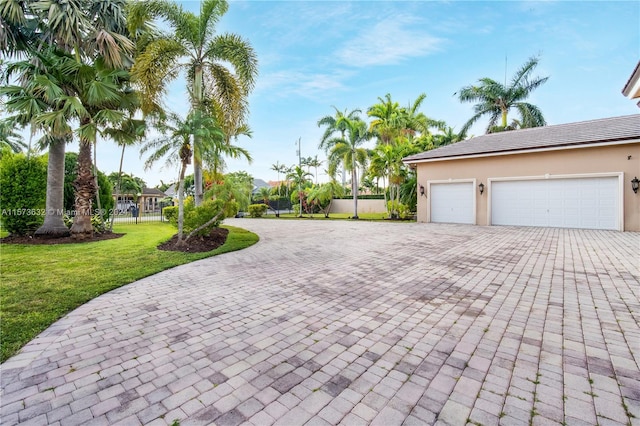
<point x="364" y="206"/>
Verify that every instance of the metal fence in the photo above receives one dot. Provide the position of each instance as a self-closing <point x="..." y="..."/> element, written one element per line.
<point x="135" y="215"/>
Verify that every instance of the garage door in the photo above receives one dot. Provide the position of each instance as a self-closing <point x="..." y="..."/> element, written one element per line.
<point x="588" y="203"/>
<point x="452" y="203"/>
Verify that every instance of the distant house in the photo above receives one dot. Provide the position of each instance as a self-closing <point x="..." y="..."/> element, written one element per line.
<point x="575" y="175"/>
<point x="257" y="184"/>
<point x="148" y="200"/>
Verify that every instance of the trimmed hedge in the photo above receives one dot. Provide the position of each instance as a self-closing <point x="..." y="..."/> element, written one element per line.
<point x="23" y="192"/>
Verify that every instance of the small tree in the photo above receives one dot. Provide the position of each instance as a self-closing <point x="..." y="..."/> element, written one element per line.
<point x="323" y="195"/>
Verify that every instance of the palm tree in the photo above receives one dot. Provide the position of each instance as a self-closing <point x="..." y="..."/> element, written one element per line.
<point x="300" y="178"/>
<point x="176" y="145"/>
<point x="336" y="124"/>
<point x="323" y="195"/>
<point x="392" y="121"/>
<point x="86" y="29"/>
<point x="349" y="151"/>
<point x="192" y="37"/>
<point x="315" y="163"/>
<point x="9" y="138"/>
<point x="496" y="100"/>
<point x="278" y="168"/>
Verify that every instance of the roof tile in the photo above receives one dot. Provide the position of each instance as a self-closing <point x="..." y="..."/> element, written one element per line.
<point x="580" y="133"/>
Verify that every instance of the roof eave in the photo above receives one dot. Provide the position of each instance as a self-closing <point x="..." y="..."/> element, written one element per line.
<point x="610" y="142"/>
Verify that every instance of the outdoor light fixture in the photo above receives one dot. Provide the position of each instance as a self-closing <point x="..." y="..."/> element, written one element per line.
<point x="634" y="184"/>
<point x="481" y="187"/>
<point x="422" y="189"/>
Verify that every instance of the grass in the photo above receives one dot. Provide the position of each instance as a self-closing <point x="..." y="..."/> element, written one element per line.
<point x="41" y="283"/>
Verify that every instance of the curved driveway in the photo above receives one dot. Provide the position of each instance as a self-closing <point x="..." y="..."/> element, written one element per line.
<point x="353" y="323"/>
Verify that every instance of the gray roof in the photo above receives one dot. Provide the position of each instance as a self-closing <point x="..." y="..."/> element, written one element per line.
<point x="561" y="135"/>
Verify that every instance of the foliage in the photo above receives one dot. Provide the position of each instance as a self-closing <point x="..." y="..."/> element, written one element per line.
<point x="196" y="217"/>
<point x="192" y="45"/>
<point x="257" y="210"/>
<point x="9" y="137"/>
<point x="242" y="184"/>
<point x="322" y="196"/>
<point x="33" y="298"/>
<point x="171" y="214"/>
<point x="495" y="100"/>
<point x="403" y="211"/>
<point x="23" y="192"/>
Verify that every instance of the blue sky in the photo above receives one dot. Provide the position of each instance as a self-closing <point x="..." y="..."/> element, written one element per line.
<point x="317" y="54"/>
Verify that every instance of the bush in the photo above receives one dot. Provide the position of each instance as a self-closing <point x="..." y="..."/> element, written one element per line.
<point x="171" y="214"/>
<point x="23" y="186"/>
<point x="194" y="217"/>
<point x="257" y="210"/>
<point x="404" y="212"/>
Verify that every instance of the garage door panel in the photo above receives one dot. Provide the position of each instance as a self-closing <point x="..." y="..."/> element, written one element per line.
<point x="452" y="202"/>
<point x="590" y="203"/>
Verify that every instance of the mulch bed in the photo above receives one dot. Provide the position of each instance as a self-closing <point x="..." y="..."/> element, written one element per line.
<point x="30" y="239"/>
<point x="215" y="239"/>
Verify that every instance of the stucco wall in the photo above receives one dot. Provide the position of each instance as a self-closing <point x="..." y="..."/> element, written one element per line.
<point x="606" y="159"/>
<point x="364" y="206"/>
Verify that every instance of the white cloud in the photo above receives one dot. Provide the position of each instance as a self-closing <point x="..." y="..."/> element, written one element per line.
<point x="389" y="42"/>
<point x="300" y="83"/>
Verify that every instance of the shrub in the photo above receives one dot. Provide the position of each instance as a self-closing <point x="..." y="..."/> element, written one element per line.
<point x="23" y="185"/>
<point x="403" y="210"/>
<point x="194" y="217"/>
<point x="257" y="210"/>
<point x="171" y="214"/>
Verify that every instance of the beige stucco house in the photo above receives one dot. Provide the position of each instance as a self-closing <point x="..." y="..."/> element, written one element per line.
<point x="576" y="175"/>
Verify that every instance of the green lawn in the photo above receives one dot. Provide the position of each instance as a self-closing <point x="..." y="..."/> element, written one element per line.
<point x="41" y="283"/>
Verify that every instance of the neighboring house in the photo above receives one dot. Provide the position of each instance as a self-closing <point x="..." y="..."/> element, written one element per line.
<point x="576" y="175"/>
<point x="148" y="200"/>
<point x="257" y="184"/>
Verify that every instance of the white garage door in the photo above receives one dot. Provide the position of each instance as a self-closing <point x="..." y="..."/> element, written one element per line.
<point x="588" y="203"/>
<point x="452" y="203"/>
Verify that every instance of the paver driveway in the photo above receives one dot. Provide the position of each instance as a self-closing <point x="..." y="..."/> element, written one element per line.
<point x="353" y="323"/>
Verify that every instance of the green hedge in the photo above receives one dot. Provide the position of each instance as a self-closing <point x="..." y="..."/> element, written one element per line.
<point x="23" y="192"/>
<point x="257" y="210"/>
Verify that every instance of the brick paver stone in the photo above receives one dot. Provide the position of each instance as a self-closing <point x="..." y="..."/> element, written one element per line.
<point x="350" y="322"/>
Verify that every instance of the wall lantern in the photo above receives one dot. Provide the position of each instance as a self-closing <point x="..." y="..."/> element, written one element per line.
<point x="634" y="184"/>
<point x="481" y="187"/>
<point x="422" y="190"/>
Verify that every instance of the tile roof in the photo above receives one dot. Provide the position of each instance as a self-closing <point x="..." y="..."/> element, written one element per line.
<point x="571" y="134"/>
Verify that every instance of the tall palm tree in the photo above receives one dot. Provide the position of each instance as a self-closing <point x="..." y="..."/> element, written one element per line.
<point x="495" y="99"/>
<point x="176" y="146"/>
<point x="349" y="151"/>
<point x="193" y="47"/>
<point x="87" y="29"/>
<point x="299" y="177"/>
<point x="278" y="168"/>
<point x="335" y="124"/>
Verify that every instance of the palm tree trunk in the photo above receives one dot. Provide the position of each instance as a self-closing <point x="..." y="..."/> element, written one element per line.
<point x="354" y="186"/>
<point x="197" y="155"/>
<point x="95" y="177"/>
<point x="53" y="225"/>
<point x="85" y="191"/>
<point x="181" y="205"/>
<point x="118" y="187"/>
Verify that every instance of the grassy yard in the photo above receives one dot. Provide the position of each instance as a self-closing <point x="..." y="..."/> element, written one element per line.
<point x="41" y="283"/>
